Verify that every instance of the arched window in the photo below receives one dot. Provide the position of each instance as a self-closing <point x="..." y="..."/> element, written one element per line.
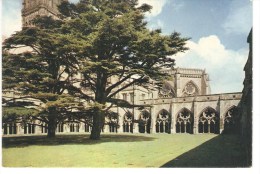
<point x="60" y="127"/>
<point x="87" y="127"/>
<point x="229" y="121"/>
<point x="112" y="121"/>
<point x="163" y="122"/>
<point x="128" y="122"/>
<point x="190" y="89"/>
<point x="184" y="122"/>
<point x="209" y="121"/>
<point x="144" y="122"/>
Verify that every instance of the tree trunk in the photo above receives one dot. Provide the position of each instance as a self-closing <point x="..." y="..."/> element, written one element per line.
<point x="98" y="123"/>
<point x="52" y="123"/>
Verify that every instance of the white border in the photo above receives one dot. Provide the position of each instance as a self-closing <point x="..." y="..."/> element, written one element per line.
<point x="256" y="129"/>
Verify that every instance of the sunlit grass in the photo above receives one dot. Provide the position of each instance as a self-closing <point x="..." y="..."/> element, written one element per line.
<point x="151" y="150"/>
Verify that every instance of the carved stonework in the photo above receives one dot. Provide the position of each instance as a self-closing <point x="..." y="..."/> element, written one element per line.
<point x="184" y="122"/>
<point x="209" y="121"/>
<point x="166" y="91"/>
<point x="190" y="89"/>
<point x="163" y="122"/>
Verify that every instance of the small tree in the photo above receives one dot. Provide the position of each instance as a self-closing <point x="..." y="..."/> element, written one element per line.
<point x="113" y="42"/>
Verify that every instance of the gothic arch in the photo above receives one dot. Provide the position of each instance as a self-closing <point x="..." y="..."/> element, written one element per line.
<point x="10" y="128"/>
<point x="163" y="122"/>
<point x="184" y="121"/>
<point x="229" y="119"/>
<point x="112" y="121"/>
<point x="29" y="127"/>
<point x="190" y="89"/>
<point x="74" y="126"/>
<point x="128" y="122"/>
<point x="167" y="90"/>
<point x="208" y="121"/>
<point x="144" y="122"/>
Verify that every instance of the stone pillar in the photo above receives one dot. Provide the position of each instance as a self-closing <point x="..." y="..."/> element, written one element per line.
<point x="21" y="130"/>
<point x="17" y="129"/>
<point x="38" y="129"/>
<point x="153" y="120"/>
<point x="135" y="128"/>
<point x="173" y="119"/>
<point x="66" y="128"/>
<point x="135" y="124"/>
<point x="221" y="114"/>
<point x="8" y="131"/>
<point x="81" y="127"/>
<point x="120" y="123"/>
<point x="196" y="117"/>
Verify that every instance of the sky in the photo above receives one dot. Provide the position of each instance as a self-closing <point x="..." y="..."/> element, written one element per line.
<point x="218" y="30"/>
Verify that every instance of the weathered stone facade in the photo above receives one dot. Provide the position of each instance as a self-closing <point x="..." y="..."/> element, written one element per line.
<point x="34" y="8"/>
<point x="197" y="113"/>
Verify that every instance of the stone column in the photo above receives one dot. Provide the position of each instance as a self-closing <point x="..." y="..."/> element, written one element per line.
<point x="221" y="114"/>
<point x="81" y="127"/>
<point x="135" y="124"/>
<point x="153" y="120"/>
<point x="38" y="129"/>
<point x="196" y="117"/>
<point x="173" y="119"/>
<point x="120" y="123"/>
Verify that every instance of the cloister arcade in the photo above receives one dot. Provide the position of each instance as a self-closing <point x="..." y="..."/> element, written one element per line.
<point x="208" y="121"/>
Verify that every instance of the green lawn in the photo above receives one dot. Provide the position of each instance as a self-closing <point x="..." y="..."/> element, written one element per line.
<point x="121" y="150"/>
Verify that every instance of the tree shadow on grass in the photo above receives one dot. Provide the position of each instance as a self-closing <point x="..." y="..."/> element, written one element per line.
<point x="23" y="141"/>
<point x="221" y="151"/>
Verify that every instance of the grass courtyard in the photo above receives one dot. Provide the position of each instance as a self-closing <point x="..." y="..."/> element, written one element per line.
<point x="124" y="151"/>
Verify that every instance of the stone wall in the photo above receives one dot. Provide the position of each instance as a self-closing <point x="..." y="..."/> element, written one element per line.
<point x="245" y="106"/>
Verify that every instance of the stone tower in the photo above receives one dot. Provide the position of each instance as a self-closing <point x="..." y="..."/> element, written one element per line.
<point x="33" y="8"/>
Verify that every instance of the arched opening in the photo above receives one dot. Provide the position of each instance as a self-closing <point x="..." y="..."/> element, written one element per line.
<point x="184" y="122"/>
<point x="128" y="122"/>
<point x="229" y="123"/>
<point x="209" y="118"/>
<point x="87" y="127"/>
<point x="112" y="122"/>
<point x="144" y="122"/>
<point x="44" y="128"/>
<point x="72" y="128"/>
<point x="10" y="128"/>
<point x="60" y="127"/>
<point x="29" y="128"/>
<point x="163" y="122"/>
<point x="178" y="127"/>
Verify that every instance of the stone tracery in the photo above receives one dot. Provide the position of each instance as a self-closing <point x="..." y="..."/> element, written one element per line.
<point x="229" y="121"/>
<point x="184" y="122"/>
<point x="190" y="89"/>
<point x="128" y="122"/>
<point x="163" y="122"/>
<point x="167" y="91"/>
<point x="209" y="121"/>
<point x="145" y="122"/>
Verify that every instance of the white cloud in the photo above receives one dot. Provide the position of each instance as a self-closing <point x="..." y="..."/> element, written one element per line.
<point x="155" y="25"/>
<point x="156" y="4"/>
<point x="239" y="19"/>
<point x="11" y="20"/>
<point x="225" y="67"/>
